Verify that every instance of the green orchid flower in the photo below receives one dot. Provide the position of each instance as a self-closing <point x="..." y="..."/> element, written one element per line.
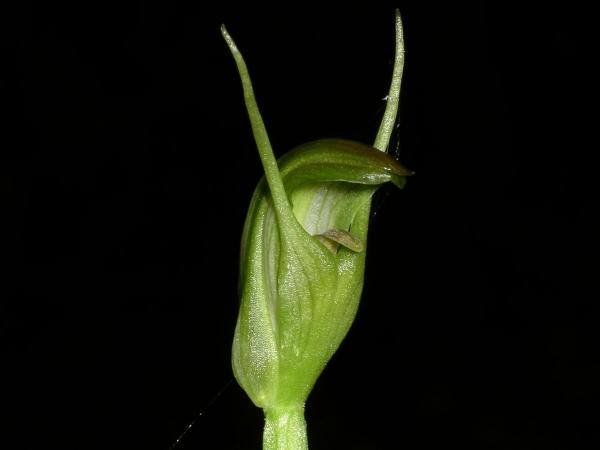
<point x="303" y="260"/>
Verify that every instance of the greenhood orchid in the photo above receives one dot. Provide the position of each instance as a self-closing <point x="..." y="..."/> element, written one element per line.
<point x="303" y="260"/>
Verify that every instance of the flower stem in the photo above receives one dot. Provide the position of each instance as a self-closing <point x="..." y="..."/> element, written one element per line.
<point x="285" y="430"/>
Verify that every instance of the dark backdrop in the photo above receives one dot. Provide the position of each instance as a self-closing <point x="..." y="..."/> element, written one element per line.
<point x="127" y="166"/>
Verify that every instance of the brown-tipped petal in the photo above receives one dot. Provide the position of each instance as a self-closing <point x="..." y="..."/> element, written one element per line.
<point x="335" y="237"/>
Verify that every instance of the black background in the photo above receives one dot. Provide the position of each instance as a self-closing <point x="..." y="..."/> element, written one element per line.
<point x="127" y="166"/>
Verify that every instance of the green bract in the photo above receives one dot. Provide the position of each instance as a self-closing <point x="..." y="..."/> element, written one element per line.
<point x="302" y="261"/>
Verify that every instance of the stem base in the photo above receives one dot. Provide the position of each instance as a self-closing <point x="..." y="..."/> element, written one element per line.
<point x="285" y="430"/>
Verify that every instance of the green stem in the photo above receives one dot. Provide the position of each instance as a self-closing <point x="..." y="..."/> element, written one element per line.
<point x="285" y="430"/>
